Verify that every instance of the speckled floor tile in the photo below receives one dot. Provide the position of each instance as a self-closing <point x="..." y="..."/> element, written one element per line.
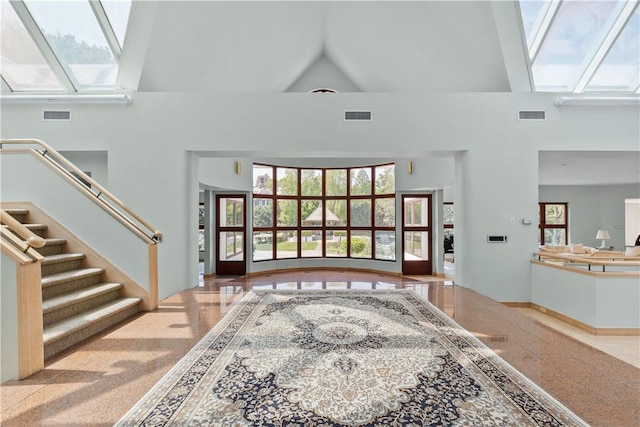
<point x="97" y="381"/>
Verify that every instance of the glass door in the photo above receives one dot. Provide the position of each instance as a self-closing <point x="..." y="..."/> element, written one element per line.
<point x="230" y="235"/>
<point x="416" y="234"/>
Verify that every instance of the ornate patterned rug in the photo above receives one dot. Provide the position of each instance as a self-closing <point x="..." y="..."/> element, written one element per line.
<point x="343" y="358"/>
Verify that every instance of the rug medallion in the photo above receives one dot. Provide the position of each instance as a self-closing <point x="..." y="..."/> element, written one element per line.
<point x="343" y="358"/>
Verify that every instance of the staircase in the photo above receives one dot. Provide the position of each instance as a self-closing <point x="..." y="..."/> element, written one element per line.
<point x="76" y="302"/>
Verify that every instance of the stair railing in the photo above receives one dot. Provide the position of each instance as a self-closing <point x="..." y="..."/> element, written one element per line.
<point x="31" y="240"/>
<point x="101" y="196"/>
<point x="27" y="299"/>
<point x="110" y="202"/>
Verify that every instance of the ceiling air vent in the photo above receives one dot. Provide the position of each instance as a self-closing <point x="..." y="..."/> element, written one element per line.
<point x="357" y="115"/>
<point x="56" y="115"/>
<point x="532" y="115"/>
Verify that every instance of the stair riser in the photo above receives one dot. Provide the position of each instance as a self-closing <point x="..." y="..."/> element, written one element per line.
<point x="51" y="250"/>
<point x="39" y="232"/>
<point x="56" y="347"/>
<point x="72" y="285"/>
<point x="61" y="267"/>
<point x="79" y="307"/>
<point x="20" y="217"/>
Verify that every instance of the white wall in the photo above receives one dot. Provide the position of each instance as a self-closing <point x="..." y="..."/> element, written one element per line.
<point x="8" y="320"/>
<point x="95" y="162"/>
<point x="153" y="146"/>
<point x="598" y="301"/>
<point x="593" y="208"/>
<point x="75" y="211"/>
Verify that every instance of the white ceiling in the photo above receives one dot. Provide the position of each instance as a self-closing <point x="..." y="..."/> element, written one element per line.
<point x="443" y="46"/>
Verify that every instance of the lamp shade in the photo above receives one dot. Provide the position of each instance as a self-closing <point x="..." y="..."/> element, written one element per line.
<point x="603" y="234"/>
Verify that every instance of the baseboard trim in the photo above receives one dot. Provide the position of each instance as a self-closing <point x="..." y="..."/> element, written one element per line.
<point x="620" y="332"/>
<point x="336" y="269"/>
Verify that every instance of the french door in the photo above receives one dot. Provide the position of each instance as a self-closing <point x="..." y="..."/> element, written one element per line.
<point x="230" y="235"/>
<point x="416" y="234"/>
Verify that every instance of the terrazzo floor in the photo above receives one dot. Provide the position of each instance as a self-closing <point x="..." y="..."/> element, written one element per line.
<point x="96" y="382"/>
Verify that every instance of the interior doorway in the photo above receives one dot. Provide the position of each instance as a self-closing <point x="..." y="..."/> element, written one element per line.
<point x="416" y="234"/>
<point x="230" y="235"/>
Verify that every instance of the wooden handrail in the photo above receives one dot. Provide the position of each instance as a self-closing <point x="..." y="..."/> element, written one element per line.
<point x="600" y="261"/>
<point x="31" y="239"/>
<point x="66" y="166"/>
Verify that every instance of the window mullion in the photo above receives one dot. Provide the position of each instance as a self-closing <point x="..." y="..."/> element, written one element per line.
<point x="40" y="41"/>
<point x="542" y="32"/>
<point x="605" y="46"/>
<point x="5" y="86"/>
<point x="107" y="29"/>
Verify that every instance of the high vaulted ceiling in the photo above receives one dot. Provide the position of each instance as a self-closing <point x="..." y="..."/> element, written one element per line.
<point x="351" y="46"/>
<point x="357" y="46"/>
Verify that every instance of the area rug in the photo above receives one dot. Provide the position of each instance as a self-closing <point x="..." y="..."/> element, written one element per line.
<point x="343" y="358"/>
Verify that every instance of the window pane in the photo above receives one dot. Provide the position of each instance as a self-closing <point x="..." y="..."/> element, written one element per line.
<point x="386" y="212"/>
<point x="287" y="213"/>
<point x="416" y="212"/>
<point x="569" y="45"/>
<point x="73" y="32"/>
<point x="336" y="182"/>
<point x="231" y="212"/>
<point x="118" y="14"/>
<point x="361" y="182"/>
<point x="554" y="236"/>
<point x="262" y="179"/>
<point x="336" y="213"/>
<point x="262" y="245"/>
<point x="336" y="243"/>
<point x="554" y="214"/>
<point x="287" y="246"/>
<point x="287" y="182"/>
<point x="448" y="241"/>
<point x="361" y="213"/>
<point x="312" y="214"/>
<point x="23" y="66"/>
<point x="361" y="244"/>
<point x="385" y="179"/>
<point x="311" y="243"/>
<point x="231" y="246"/>
<point x="415" y="246"/>
<point x="447" y="213"/>
<point x="200" y="240"/>
<point x="620" y="69"/>
<point x="386" y="245"/>
<point x="532" y="13"/>
<point x="311" y="182"/>
<point x="262" y="212"/>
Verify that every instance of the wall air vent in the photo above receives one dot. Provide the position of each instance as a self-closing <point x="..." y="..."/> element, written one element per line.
<point x="57" y="115"/>
<point x="357" y="115"/>
<point x="532" y="115"/>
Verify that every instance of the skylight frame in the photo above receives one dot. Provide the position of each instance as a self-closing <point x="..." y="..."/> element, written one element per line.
<point x="41" y="42"/>
<point x="614" y="32"/>
<point x="579" y="79"/>
<point x="62" y="71"/>
<point x="107" y="29"/>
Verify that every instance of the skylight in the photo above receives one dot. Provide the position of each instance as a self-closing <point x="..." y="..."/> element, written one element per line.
<point x="583" y="46"/>
<point x="70" y="46"/>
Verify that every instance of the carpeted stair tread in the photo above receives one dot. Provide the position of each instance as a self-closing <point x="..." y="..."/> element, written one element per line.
<point x="55" y="241"/>
<point x="54" y="259"/>
<point x="36" y="227"/>
<point x="17" y="211"/>
<point x="60" y="301"/>
<point x="68" y="276"/>
<point x="66" y="327"/>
